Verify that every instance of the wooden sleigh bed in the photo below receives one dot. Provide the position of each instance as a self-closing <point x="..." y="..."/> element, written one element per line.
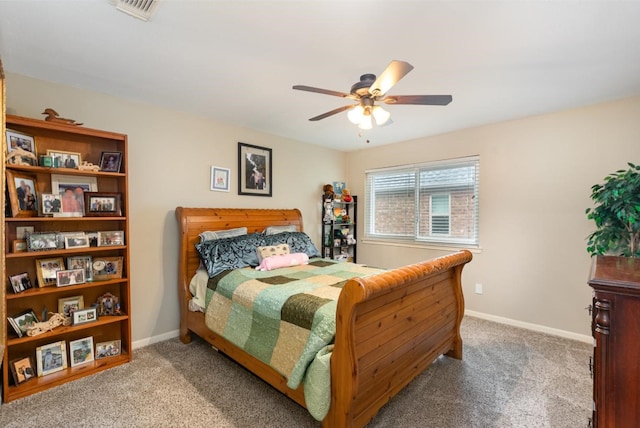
<point x="389" y="326"/>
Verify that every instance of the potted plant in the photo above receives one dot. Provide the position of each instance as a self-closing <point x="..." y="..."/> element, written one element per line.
<point x="616" y="214"/>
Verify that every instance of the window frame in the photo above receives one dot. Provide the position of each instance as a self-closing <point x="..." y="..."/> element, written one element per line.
<point x="465" y="183"/>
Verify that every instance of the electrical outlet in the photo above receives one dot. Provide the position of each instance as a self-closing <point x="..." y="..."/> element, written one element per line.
<point x="478" y="288"/>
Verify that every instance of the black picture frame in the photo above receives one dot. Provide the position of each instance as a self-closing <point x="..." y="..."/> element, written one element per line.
<point x="255" y="172"/>
<point x="103" y="204"/>
<point x="20" y="282"/>
<point x="22" y="369"/>
<point x="110" y="161"/>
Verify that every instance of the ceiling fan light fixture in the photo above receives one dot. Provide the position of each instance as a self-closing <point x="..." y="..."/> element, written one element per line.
<point x="365" y="122"/>
<point x="380" y="115"/>
<point x="355" y="115"/>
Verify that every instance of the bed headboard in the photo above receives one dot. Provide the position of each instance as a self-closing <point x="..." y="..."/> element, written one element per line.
<point x="193" y="221"/>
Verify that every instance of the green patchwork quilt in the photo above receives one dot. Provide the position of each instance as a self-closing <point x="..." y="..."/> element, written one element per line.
<point x="283" y="317"/>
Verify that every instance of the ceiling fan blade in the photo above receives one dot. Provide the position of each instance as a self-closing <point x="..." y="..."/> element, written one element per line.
<point x="389" y="77"/>
<point x="321" y="91"/>
<point x="332" y="112"/>
<point x="430" y="100"/>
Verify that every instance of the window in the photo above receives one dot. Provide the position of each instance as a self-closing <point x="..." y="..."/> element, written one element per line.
<point x="435" y="202"/>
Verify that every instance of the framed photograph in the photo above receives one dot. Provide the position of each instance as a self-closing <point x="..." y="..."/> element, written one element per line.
<point x="22" y="369"/>
<point x="69" y="305"/>
<point x="19" y="246"/>
<point x="220" y="178"/>
<point x="107" y="268"/>
<point x="42" y="241"/>
<point x="22" y="194"/>
<point x="63" y="159"/>
<point x="71" y="189"/>
<point x="51" y="358"/>
<point x="81" y="262"/>
<point x="51" y="203"/>
<point x="107" y="349"/>
<point x="20" y="282"/>
<point x="83" y="316"/>
<point x="76" y="241"/>
<point x="81" y="351"/>
<point x="102" y="204"/>
<point x="110" y="238"/>
<point x="62" y="236"/>
<point x="254" y="170"/>
<point x="110" y="161"/>
<point x="46" y="270"/>
<point x="65" y="278"/>
<point x="23" y="231"/>
<point x="19" y="141"/>
<point x="108" y="304"/>
<point x="23" y="320"/>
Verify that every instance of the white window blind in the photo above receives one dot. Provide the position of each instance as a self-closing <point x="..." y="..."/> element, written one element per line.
<point x="435" y="202"/>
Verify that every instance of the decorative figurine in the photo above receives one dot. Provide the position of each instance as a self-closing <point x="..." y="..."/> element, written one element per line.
<point x="53" y="116"/>
<point x="44" y="326"/>
<point x="16" y="157"/>
<point x="346" y="195"/>
<point x="88" y="166"/>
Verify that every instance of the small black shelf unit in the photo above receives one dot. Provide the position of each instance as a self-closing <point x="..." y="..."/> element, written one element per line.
<point x="339" y="236"/>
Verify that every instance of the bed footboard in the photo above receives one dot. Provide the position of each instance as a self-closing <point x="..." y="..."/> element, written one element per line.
<point x="389" y="328"/>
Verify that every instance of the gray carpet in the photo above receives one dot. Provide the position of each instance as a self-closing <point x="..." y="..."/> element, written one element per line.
<point x="508" y="378"/>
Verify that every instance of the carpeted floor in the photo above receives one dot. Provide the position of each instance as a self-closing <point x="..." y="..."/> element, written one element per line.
<point x="508" y="377"/>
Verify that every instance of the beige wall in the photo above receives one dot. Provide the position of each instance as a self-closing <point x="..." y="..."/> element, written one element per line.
<point x="170" y="155"/>
<point x="535" y="180"/>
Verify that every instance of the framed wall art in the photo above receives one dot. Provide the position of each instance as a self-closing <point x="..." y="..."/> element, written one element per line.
<point x="220" y="178"/>
<point x="51" y="358"/>
<point x="102" y="204"/>
<point x="62" y="159"/>
<point x="110" y="161"/>
<point x="254" y="170"/>
<point x="23" y="196"/>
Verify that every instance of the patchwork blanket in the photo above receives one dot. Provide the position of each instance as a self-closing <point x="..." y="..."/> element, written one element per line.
<point x="283" y="317"/>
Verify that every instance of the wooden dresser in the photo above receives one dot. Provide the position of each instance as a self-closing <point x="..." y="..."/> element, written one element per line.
<point x="615" y="327"/>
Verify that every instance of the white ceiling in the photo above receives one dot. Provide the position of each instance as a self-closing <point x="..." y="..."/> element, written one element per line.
<point x="236" y="61"/>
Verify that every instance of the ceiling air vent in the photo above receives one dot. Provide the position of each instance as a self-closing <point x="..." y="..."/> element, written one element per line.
<point x="141" y="9"/>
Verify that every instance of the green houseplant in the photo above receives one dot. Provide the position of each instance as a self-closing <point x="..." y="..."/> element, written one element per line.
<point x="616" y="214"/>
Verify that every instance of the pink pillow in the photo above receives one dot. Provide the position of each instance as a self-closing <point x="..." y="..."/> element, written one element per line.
<point x="283" y="260"/>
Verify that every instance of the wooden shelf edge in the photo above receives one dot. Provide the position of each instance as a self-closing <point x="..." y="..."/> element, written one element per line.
<point x="69" y="251"/>
<point x="38" y="384"/>
<point x="32" y="292"/>
<point x="59" y="331"/>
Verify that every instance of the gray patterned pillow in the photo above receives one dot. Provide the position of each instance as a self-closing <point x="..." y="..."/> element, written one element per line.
<point x="230" y="253"/>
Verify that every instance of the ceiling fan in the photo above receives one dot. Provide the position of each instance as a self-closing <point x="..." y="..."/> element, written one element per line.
<point x="370" y="90"/>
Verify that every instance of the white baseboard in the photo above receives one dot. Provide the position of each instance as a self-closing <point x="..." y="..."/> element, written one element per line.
<point x="154" y="339"/>
<point x="534" y="327"/>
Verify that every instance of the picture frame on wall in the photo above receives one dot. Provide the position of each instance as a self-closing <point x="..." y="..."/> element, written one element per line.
<point x="103" y="204"/>
<point x="220" y="178"/>
<point x="23" y="196"/>
<point x="110" y="161"/>
<point x="255" y="175"/>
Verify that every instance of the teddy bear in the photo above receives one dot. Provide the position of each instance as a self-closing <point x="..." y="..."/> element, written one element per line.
<point x="328" y="192"/>
<point x="346" y="195"/>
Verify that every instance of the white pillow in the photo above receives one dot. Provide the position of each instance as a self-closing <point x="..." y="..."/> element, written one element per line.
<point x="211" y="235"/>
<point x="272" y="230"/>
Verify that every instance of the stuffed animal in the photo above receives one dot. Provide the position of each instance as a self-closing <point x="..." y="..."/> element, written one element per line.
<point x="328" y="192"/>
<point x="346" y="195"/>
